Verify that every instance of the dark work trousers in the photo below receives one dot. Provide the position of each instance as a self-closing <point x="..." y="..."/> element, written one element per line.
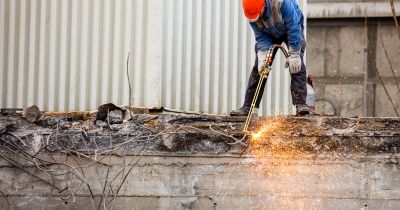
<point x="297" y="86"/>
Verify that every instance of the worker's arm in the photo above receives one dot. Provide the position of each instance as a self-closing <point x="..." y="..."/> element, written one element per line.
<point x="293" y="28"/>
<point x="264" y="41"/>
<point x="292" y="25"/>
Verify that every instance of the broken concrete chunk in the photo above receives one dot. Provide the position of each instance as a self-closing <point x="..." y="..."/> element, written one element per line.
<point x="32" y="114"/>
<point x="74" y="124"/>
<point x="104" y="109"/>
<point x="65" y="125"/>
<point x="116" y="117"/>
<point x="101" y="123"/>
<point x="7" y="126"/>
<point x="128" y="115"/>
<point x="48" y="121"/>
<point x="89" y="126"/>
<point x="116" y="127"/>
<point x="168" y="141"/>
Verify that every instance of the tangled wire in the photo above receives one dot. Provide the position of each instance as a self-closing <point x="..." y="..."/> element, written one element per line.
<point x="82" y="150"/>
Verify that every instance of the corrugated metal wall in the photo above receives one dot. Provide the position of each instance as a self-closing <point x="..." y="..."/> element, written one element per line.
<point x="188" y="55"/>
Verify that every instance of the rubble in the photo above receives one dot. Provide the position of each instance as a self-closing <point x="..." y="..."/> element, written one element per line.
<point x="32" y="113"/>
<point x="211" y="135"/>
<point x="101" y="123"/>
<point x="104" y="110"/>
<point x="116" y="117"/>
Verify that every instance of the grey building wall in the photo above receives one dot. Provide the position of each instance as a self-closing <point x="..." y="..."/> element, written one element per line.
<point x="349" y="8"/>
<point x="343" y="67"/>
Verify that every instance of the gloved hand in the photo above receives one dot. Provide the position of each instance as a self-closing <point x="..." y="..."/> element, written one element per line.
<point x="293" y="62"/>
<point x="261" y="61"/>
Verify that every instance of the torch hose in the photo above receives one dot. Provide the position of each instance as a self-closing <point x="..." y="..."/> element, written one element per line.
<point x="263" y="76"/>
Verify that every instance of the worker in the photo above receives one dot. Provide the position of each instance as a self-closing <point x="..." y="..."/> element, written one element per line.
<point x="274" y="22"/>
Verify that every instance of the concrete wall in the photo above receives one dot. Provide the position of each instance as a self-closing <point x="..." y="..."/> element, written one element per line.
<point x="338" y="58"/>
<point x="319" y="163"/>
<point x="224" y="183"/>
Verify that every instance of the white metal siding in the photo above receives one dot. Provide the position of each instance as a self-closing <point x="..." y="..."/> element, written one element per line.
<point x="207" y="55"/>
<point x="188" y="55"/>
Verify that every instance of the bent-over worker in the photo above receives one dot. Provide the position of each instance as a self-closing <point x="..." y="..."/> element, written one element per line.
<point x="274" y="22"/>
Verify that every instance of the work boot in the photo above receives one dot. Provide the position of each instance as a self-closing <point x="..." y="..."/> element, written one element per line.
<point x="302" y="109"/>
<point x="243" y="111"/>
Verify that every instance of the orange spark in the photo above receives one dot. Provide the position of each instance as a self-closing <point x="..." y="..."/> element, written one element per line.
<point x="256" y="135"/>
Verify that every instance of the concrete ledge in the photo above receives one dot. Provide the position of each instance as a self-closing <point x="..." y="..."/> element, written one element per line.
<point x="200" y="162"/>
<point x="174" y="135"/>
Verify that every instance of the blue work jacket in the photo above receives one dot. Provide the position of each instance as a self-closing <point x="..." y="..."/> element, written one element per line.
<point x="281" y="18"/>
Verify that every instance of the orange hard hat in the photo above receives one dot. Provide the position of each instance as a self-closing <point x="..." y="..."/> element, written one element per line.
<point x="252" y="8"/>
